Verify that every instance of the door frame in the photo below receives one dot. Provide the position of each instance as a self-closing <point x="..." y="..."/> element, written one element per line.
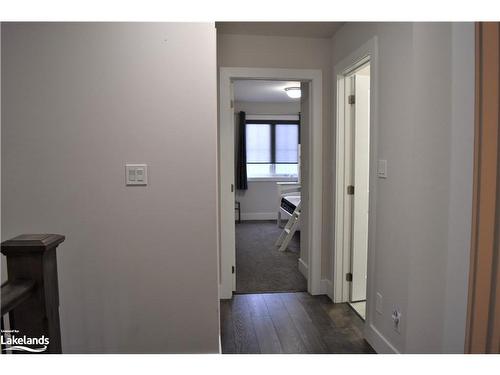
<point x="344" y="204"/>
<point x="353" y="170"/>
<point x="483" y="310"/>
<point x="227" y="250"/>
<point x="368" y="52"/>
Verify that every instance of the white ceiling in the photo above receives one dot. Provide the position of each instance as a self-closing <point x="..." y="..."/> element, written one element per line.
<point x="263" y="91"/>
<point x="297" y="29"/>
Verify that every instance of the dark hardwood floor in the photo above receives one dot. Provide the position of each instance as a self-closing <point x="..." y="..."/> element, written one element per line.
<point x="290" y="323"/>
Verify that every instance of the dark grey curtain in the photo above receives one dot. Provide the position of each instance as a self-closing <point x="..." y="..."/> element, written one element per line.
<point x="241" y="160"/>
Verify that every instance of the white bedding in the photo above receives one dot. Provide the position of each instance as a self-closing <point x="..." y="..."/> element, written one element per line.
<point x="293" y="199"/>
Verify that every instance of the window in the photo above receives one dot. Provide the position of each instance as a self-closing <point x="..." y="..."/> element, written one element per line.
<point x="272" y="148"/>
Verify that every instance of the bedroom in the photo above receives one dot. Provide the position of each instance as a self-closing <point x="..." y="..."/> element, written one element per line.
<point x="267" y="191"/>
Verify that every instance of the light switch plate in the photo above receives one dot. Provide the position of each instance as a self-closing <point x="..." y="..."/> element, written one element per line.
<point x="382" y="169"/>
<point x="136" y="174"/>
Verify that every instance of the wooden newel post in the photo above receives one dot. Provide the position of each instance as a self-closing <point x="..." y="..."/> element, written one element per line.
<point x="33" y="257"/>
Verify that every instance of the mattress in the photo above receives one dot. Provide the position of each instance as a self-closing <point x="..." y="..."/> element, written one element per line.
<point x="290" y="202"/>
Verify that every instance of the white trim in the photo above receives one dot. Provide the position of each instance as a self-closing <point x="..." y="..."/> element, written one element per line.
<point x="226" y="167"/>
<point x="326" y="287"/>
<point x="369" y="50"/>
<point x="226" y="187"/>
<point x="303" y="268"/>
<point x="338" y="175"/>
<point x="258" y="215"/>
<point x="274" y="178"/>
<point x="378" y="341"/>
<point x="343" y="203"/>
<point x="273" y="117"/>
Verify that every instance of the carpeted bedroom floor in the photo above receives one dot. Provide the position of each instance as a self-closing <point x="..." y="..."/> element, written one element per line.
<point x="260" y="267"/>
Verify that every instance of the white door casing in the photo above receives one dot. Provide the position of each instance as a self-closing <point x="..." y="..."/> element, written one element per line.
<point x="226" y="189"/>
<point x="226" y="171"/>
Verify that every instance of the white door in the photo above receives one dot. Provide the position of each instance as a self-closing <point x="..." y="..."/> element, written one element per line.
<point x="361" y="155"/>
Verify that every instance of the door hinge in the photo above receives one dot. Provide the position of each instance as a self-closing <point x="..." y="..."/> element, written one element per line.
<point x="351" y="99"/>
<point x="232" y="104"/>
<point x="232" y="188"/>
<point x="350" y="190"/>
<point x="232" y="269"/>
<point x="348" y="276"/>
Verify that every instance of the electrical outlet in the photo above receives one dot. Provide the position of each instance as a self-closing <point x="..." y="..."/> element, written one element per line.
<point x="382" y="169"/>
<point x="396" y="319"/>
<point x="378" y="303"/>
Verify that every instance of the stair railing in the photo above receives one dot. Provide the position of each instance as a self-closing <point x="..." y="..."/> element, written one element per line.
<point x="30" y="296"/>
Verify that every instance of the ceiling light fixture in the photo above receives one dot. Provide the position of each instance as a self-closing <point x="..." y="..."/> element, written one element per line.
<point x="293" y="92"/>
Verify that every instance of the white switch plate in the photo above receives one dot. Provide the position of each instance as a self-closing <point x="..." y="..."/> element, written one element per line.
<point x="136" y="174"/>
<point x="382" y="169"/>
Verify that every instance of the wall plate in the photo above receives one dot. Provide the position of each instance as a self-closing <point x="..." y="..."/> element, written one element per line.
<point x="382" y="169"/>
<point x="136" y="174"/>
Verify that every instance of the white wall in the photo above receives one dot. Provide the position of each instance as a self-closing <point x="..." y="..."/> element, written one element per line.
<point x="424" y="132"/>
<point x="258" y="51"/>
<point x="136" y="273"/>
<point x="428" y="203"/>
<point x="267" y="108"/>
<point x="260" y="200"/>
<point x="461" y="172"/>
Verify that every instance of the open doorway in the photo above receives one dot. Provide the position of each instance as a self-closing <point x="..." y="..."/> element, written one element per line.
<point x="353" y="173"/>
<point x="278" y="158"/>
<point x="267" y="186"/>
<point x="359" y="119"/>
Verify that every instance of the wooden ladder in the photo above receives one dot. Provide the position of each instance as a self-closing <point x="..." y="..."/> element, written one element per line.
<point x="289" y="230"/>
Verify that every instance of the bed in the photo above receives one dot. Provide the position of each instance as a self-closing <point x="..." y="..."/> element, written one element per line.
<point x="289" y="198"/>
<point x="289" y="203"/>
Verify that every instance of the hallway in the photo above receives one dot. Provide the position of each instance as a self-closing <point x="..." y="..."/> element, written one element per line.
<point x="166" y="154"/>
<point x="289" y="323"/>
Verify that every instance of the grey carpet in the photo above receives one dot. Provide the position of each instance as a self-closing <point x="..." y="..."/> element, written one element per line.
<point x="260" y="266"/>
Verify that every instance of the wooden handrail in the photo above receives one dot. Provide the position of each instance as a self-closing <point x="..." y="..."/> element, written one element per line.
<point x="14" y="293"/>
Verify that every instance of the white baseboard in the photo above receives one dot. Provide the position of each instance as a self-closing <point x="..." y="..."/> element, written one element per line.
<point x="378" y="341"/>
<point x="303" y="268"/>
<point x="326" y="287"/>
<point x="223" y="296"/>
<point x="258" y="215"/>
